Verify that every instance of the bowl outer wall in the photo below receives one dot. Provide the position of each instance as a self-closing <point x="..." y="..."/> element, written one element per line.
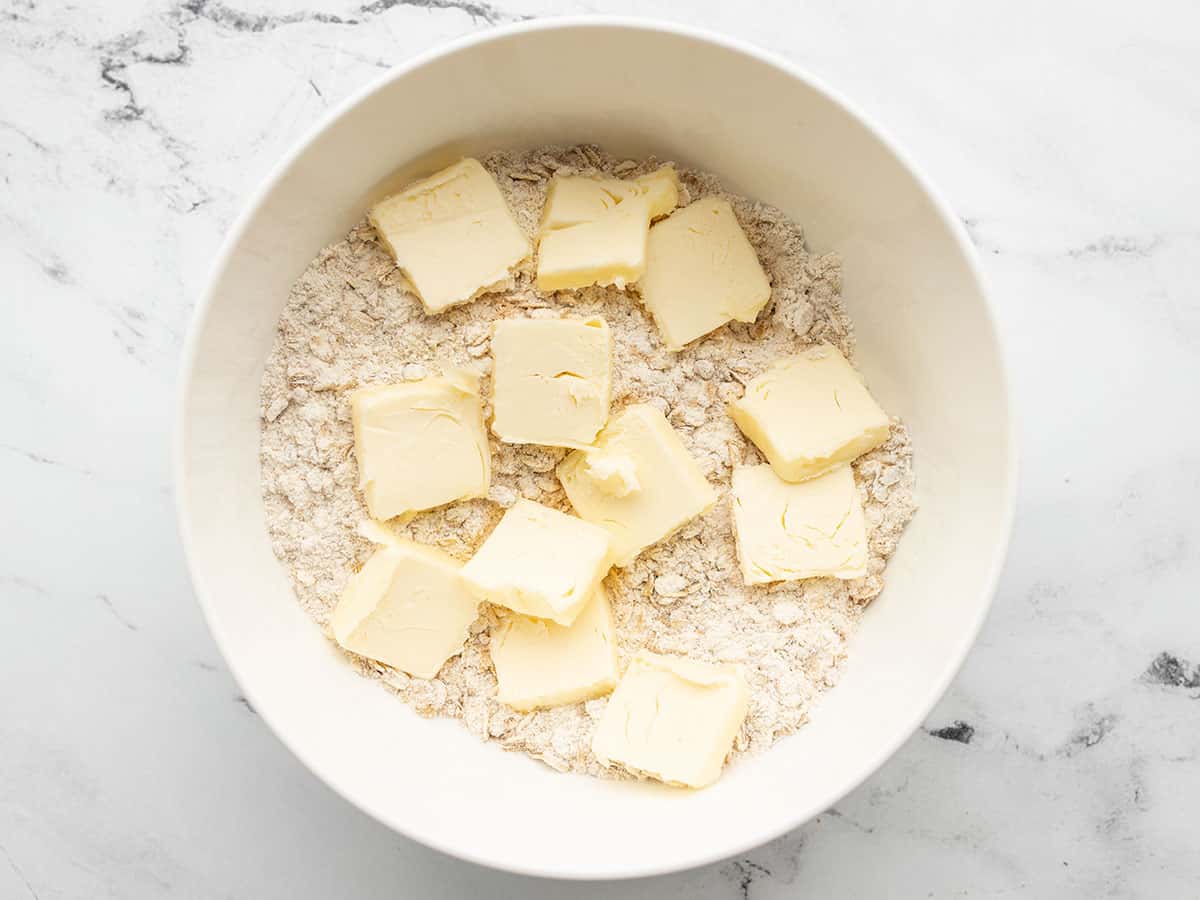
<point x="927" y="344"/>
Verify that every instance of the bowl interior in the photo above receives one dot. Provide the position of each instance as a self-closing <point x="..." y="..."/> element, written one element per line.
<point x="925" y="342"/>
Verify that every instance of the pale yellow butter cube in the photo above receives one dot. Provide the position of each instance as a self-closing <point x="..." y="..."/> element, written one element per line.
<point x="661" y="190"/>
<point x="810" y="413"/>
<point x="608" y="250"/>
<point x="673" y="719"/>
<point x="790" y="530"/>
<point x="407" y="607"/>
<point x="574" y="199"/>
<point x="540" y="664"/>
<point x="452" y="234"/>
<point x="637" y="481"/>
<point x="551" y="380"/>
<point x="421" y="444"/>
<point x="701" y="272"/>
<point x="540" y="562"/>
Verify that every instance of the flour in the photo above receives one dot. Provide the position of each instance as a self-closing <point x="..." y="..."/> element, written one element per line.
<point x="350" y="321"/>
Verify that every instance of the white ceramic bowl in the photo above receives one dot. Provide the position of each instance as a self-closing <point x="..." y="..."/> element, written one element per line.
<point x="925" y="341"/>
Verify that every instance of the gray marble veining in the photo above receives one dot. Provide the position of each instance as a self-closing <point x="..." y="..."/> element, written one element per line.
<point x="1065" y="760"/>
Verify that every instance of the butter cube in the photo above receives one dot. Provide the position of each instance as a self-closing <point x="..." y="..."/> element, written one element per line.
<point x="701" y="272"/>
<point x="608" y="250"/>
<point x="452" y="234"/>
<point x="407" y="607"/>
<point x="661" y="189"/>
<point x="421" y="444"/>
<point x="574" y="199"/>
<point x="673" y="719"/>
<point x="551" y="380"/>
<point x="810" y="413"/>
<point x="790" y="530"/>
<point x="637" y="481"/>
<point x="540" y="562"/>
<point x="540" y="664"/>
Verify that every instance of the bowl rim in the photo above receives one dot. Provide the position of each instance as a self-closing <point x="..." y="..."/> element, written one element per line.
<point x="753" y="838"/>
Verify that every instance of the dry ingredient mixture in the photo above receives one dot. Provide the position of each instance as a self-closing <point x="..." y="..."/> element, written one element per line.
<point x="350" y="322"/>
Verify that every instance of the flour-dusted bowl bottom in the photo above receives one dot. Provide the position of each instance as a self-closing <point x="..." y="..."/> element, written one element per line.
<point x="925" y="343"/>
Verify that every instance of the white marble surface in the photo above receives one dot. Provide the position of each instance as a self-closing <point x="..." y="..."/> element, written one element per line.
<point x="1064" y="762"/>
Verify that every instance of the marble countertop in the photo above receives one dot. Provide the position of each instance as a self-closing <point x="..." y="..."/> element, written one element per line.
<point x="1065" y="760"/>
